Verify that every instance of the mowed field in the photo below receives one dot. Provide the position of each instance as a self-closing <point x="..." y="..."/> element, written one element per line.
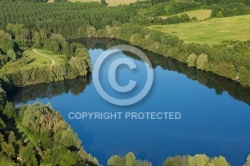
<point x="199" y="14"/>
<point x="110" y="2"/>
<point x="211" y="31"/>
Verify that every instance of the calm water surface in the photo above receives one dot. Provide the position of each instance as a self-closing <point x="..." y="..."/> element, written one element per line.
<point x="215" y="112"/>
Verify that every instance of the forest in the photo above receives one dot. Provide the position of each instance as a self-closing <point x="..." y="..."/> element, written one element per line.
<point x="38" y="135"/>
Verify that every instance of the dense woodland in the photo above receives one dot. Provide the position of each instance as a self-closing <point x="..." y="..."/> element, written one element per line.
<point x="37" y="134"/>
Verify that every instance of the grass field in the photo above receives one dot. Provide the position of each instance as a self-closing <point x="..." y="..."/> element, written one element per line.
<point x="212" y="31"/>
<point x="199" y="14"/>
<point x="32" y="59"/>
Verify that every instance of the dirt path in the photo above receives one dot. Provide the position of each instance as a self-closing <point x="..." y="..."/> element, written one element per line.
<point x="52" y="60"/>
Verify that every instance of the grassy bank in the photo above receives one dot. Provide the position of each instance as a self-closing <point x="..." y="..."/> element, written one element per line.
<point x="212" y="31"/>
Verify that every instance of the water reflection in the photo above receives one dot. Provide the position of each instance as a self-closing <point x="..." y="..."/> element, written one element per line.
<point x="75" y="87"/>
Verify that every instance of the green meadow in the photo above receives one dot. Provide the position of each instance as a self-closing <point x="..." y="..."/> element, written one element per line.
<point x="210" y="31"/>
<point x="32" y="59"/>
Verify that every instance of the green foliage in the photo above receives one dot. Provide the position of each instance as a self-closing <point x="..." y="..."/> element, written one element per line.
<point x="8" y="149"/>
<point x="193" y="19"/>
<point x="248" y="161"/>
<point x="116" y="160"/>
<point x="192" y="60"/>
<point x="219" y="161"/>
<point x="217" y="11"/>
<point x="56" y="43"/>
<point x="191" y="161"/>
<point x="181" y="6"/>
<point x="5" y="35"/>
<point x="199" y="159"/>
<point x="6" y="162"/>
<point x="226" y="70"/>
<point x="9" y="111"/>
<point x="103" y="2"/>
<point x="173" y="19"/>
<point x="202" y="61"/>
<point x="79" y="65"/>
<point x="230" y="9"/>
<point x="64" y="17"/>
<point x="28" y="156"/>
<point x="51" y="138"/>
<point x="244" y="76"/>
<point x="6" y="45"/>
<point x="185" y="17"/>
<point x="11" y="55"/>
<point x="128" y="160"/>
<point x="61" y="156"/>
<point x="43" y="122"/>
<point x="3" y="98"/>
<point x="168" y="161"/>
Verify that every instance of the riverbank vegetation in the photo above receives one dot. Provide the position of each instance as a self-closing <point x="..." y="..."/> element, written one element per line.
<point x="129" y="159"/>
<point x="185" y="160"/>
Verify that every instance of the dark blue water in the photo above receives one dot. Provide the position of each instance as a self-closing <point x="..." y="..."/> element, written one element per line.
<point x="211" y="123"/>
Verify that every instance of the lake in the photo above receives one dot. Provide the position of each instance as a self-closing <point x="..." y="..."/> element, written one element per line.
<point x="214" y="120"/>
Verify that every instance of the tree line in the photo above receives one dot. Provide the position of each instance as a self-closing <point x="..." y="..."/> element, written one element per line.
<point x="220" y="8"/>
<point x="203" y="2"/>
<point x="231" y="9"/>
<point x="185" y="160"/>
